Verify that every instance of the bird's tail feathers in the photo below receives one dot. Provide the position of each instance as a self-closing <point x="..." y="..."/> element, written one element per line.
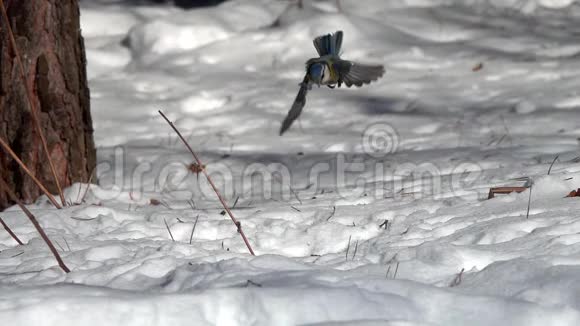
<point x="329" y="43"/>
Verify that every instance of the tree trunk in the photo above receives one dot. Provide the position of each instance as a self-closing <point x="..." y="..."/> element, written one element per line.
<point x="50" y="44"/>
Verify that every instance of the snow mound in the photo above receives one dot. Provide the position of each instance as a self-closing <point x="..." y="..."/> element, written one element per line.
<point x="186" y="30"/>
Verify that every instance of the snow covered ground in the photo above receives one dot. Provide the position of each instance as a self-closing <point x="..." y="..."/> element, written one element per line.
<point x="476" y="94"/>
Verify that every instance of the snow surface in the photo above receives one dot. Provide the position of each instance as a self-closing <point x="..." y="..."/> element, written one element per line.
<point x="477" y="94"/>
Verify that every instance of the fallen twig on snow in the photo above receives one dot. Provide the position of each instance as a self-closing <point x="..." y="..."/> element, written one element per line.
<point x="396" y="270"/>
<point x="66" y="243"/>
<point x="457" y="280"/>
<point x="348" y="247"/>
<point x="277" y="178"/>
<point x="332" y="214"/>
<point x="168" y="230"/>
<point x="385" y="224"/>
<point x="193" y="229"/>
<point x="529" y="203"/>
<point x="355" y="250"/>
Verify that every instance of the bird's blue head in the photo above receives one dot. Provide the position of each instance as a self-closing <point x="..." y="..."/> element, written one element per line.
<point x="317" y="71"/>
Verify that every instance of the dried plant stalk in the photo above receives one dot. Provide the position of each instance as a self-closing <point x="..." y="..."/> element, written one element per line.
<point x="37" y="226"/>
<point x="223" y="202"/>
<point x="7" y="228"/>
<point x="29" y="173"/>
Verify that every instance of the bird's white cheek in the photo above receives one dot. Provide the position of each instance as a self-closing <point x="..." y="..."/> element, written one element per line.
<point x="326" y="76"/>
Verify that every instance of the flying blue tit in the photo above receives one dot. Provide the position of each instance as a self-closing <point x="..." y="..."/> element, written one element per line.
<point x="330" y="70"/>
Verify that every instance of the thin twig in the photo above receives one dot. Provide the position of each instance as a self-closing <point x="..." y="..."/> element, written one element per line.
<point x="385" y="224"/>
<point x="554" y="161"/>
<point x="88" y="186"/>
<point x="7" y="228"/>
<point x="191" y="204"/>
<point x="78" y="193"/>
<point x="66" y="243"/>
<point x="33" y="108"/>
<point x="58" y="244"/>
<point x="295" y="194"/>
<point x="457" y="280"/>
<point x="193" y="230"/>
<point x="529" y="202"/>
<point x="164" y="204"/>
<point x="252" y="283"/>
<point x="168" y="230"/>
<point x="355" y="250"/>
<point x="223" y="202"/>
<point x="35" y="223"/>
<point x="332" y="214"/>
<point x="277" y="178"/>
<point x="29" y="173"/>
<point x="348" y="246"/>
<point x="500" y="140"/>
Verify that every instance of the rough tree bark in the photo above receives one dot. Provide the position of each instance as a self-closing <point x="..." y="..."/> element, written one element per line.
<point x="49" y="40"/>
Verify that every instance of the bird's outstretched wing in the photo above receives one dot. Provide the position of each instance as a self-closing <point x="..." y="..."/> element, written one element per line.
<point x="357" y="74"/>
<point x="297" y="106"/>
